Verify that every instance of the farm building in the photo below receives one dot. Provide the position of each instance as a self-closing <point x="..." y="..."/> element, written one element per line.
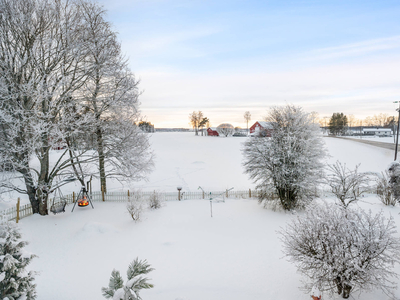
<point x="261" y="128"/>
<point x="212" y="131"/>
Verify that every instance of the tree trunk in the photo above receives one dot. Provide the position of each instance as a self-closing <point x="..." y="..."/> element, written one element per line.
<point x="100" y="149"/>
<point x="31" y="190"/>
<point x="343" y="288"/>
<point x="44" y="182"/>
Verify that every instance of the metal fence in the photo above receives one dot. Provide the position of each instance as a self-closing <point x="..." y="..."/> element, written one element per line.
<point x="22" y="211"/>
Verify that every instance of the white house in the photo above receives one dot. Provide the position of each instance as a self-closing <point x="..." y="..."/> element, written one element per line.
<point x="377" y="131"/>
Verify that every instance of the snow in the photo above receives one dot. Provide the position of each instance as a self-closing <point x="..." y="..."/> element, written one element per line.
<point x="234" y="255"/>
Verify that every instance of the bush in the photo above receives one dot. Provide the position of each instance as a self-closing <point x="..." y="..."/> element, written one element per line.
<point x="130" y="291"/>
<point x="154" y="201"/>
<point x="135" y="206"/>
<point x="384" y="190"/>
<point x="342" y="250"/>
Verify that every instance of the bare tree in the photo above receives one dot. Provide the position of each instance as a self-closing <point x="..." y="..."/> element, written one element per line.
<point x="342" y="250"/>
<point x="50" y="63"/>
<point x="42" y="58"/>
<point x="247" y="117"/>
<point x="345" y="184"/>
<point x="195" y="119"/>
<point x="110" y="95"/>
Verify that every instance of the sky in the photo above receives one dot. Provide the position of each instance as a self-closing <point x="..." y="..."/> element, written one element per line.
<point x="227" y="57"/>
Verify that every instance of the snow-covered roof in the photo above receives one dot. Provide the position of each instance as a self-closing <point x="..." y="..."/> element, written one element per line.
<point x="265" y="124"/>
<point x="377" y="129"/>
<point x="212" y="128"/>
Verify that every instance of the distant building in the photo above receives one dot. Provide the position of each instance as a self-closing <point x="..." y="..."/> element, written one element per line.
<point x="261" y="128"/>
<point x="212" y="131"/>
<point x="377" y="131"/>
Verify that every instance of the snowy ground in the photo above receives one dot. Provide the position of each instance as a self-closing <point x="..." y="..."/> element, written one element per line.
<point x="234" y="255"/>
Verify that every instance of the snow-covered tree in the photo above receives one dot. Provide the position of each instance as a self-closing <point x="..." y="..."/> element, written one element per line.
<point x="110" y="94"/>
<point x="345" y="184"/>
<point x="117" y="290"/>
<point x="15" y="281"/>
<point x="343" y="250"/>
<point x="62" y="78"/>
<point x="42" y="56"/>
<point x="289" y="164"/>
<point x="225" y="129"/>
<point x="384" y="188"/>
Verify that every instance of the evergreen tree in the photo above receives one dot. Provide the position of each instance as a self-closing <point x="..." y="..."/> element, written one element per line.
<point x="338" y="124"/>
<point x="116" y="289"/>
<point x="15" y="281"/>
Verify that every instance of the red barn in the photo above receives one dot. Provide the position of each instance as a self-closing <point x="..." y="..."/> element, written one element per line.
<point x="261" y="128"/>
<point x="212" y="131"/>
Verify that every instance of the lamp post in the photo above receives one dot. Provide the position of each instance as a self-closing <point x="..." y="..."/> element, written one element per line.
<point x="179" y="188"/>
<point x="397" y="134"/>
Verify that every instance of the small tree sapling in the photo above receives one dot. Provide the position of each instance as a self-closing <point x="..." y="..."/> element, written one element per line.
<point x="117" y="290"/>
<point x="135" y="206"/>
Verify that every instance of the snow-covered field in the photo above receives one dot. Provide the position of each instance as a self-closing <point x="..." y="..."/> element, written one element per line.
<point x="234" y="255"/>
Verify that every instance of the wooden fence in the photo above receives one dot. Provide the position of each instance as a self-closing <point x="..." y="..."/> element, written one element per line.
<point x="21" y="211"/>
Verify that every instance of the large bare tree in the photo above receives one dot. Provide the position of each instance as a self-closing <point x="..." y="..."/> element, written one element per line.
<point x="195" y="119"/>
<point x="49" y="64"/>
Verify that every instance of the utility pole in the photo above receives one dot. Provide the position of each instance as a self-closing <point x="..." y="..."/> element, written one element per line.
<point x="397" y="134"/>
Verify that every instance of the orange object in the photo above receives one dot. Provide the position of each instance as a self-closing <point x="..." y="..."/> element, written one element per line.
<point x="83" y="201"/>
<point x="316" y="298"/>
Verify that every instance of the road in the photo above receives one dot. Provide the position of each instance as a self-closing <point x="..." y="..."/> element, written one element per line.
<point x="368" y="142"/>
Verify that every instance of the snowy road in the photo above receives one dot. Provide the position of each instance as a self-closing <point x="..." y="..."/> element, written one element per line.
<point x="369" y="142"/>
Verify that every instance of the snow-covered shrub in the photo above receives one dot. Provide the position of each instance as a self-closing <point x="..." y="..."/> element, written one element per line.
<point x="154" y="200"/>
<point x="384" y="189"/>
<point x="345" y="184"/>
<point x="15" y="281"/>
<point x="117" y="290"/>
<point x="289" y="163"/>
<point x="394" y="182"/>
<point x="135" y="206"/>
<point x="343" y="250"/>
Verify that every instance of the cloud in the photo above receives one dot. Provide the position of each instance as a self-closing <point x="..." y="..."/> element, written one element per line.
<point x="356" y="49"/>
<point x="361" y="89"/>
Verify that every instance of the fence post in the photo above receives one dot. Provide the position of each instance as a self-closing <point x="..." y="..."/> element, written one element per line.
<point x="73" y="197"/>
<point x="249" y="193"/>
<point x="102" y="193"/>
<point x="128" y="195"/>
<point x="226" y="193"/>
<point x="18" y="204"/>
